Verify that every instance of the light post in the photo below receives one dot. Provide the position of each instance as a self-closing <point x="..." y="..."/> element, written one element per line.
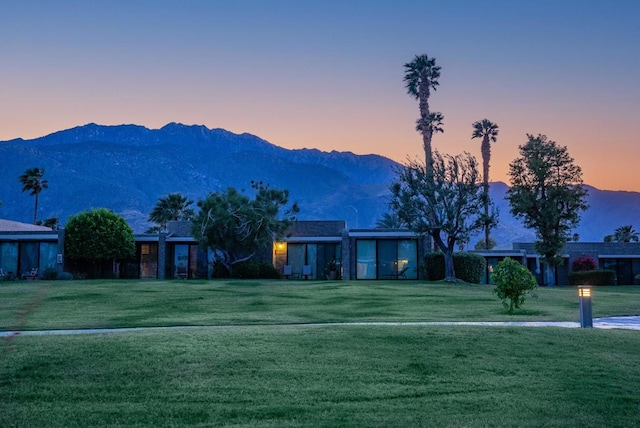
<point x="586" y="319"/>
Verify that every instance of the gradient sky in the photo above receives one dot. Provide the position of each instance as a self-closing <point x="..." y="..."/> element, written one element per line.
<point x="329" y="74"/>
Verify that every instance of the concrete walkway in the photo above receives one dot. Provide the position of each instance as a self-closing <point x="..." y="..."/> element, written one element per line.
<point x="627" y="323"/>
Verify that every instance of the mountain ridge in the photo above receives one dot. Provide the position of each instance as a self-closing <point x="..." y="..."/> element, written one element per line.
<point x="126" y="168"/>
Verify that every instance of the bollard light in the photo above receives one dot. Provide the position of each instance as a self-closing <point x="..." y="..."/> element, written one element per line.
<point x="586" y="319"/>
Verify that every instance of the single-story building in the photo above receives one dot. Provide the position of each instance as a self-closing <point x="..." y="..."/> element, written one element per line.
<point x="310" y="250"/>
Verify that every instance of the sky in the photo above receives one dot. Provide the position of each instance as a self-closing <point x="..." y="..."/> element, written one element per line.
<point x="329" y="74"/>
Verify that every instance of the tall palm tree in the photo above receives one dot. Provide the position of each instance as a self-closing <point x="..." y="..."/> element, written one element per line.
<point x="174" y="206"/>
<point x="488" y="131"/>
<point x="32" y="182"/>
<point x="626" y="234"/>
<point x="421" y="76"/>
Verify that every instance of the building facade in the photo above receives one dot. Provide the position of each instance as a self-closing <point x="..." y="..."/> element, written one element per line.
<point x="310" y="250"/>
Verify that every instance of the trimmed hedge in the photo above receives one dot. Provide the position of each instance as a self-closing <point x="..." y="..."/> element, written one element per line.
<point x="593" y="277"/>
<point x="468" y="267"/>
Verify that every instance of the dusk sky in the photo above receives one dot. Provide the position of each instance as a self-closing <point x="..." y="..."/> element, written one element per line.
<point x="329" y="74"/>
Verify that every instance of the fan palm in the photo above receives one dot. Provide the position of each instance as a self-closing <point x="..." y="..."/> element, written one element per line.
<point x="174" y="206"/>
<point x="626" y="234"/>
<point x="32" y="182"/>
<point x="488" y="131"/>
<point x="390" y="221"/>
<point x="421" y="76"/>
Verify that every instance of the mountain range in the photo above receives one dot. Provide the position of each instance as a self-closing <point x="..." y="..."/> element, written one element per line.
<point x="126" y="168"/>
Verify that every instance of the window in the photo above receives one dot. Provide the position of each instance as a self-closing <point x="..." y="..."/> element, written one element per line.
<point x="315" y="255"/>
<point x="149" y="260"/>
<point x="386" y="259"/>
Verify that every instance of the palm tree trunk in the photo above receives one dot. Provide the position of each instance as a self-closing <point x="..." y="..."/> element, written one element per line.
<point x="35" y="211"/>
<point x="486" y="156"/>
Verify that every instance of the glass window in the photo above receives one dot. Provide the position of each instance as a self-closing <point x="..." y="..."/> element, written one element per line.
<point x="28" y="258"/>
<point x="48" y="253"/>
<point x="296" y="258"/>
<point x="9" y="257"/>
<point x="180" y="260"/>
<point x="366" y="259"/>
<point x="408" y="258"/>
<point x="149" y="260"/>
<point x="312" y="260"/>
<point x="387" y="259"/>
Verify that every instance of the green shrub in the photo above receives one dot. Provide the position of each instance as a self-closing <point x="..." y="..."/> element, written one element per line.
<point x="50" y="273"/>
<point x="468" y="267"/>
<point x="219" y="270"/>
<point x="246" y="270"/>
<point x="267" y="271"/>
<point x="65" y="276"/>
<point x="593" y="277"/>
<point x="513" y="282"/>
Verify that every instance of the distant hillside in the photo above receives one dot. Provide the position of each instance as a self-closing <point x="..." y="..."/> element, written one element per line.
<point x="126" y="168"/>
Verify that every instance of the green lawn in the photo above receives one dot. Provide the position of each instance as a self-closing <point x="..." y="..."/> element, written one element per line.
<point x="245" y="374"/>
<point x="104" y="304"/>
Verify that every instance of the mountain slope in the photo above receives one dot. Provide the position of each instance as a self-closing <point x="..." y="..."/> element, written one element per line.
<point x="126" y="168"/>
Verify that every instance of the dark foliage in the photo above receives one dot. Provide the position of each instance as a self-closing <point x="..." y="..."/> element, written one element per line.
<point x="593" y="277"/>
<point x="469" y="267"/>
<point x="583" y="263"/>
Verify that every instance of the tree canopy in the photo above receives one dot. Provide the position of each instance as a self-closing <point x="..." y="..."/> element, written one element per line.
<point x="547" y="193"/>
<point x="236" y="227"/>
<point x="174" y="206"/>
<point x="448" y="200"/>
<point x="623" y="234"/>
<point x="33" y="182"/>
<point x="98" y="235"/>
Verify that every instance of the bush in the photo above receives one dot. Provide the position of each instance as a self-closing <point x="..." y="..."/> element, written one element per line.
<point x="267" y="271"/>
<point x="593" y="277"/>
<point x="468" y="267"/>
<point x="50" y="273"/>
<point x="583" y="263"/>
<point x="65" y="276"/>
<point x="246" y="270"/>
<point x="513" y="283"/>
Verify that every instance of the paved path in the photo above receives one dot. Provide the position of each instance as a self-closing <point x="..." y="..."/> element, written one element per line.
<point x="627" y="323"/>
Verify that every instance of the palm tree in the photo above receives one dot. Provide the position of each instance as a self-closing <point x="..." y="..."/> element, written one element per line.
<point x="32" y="181"/>
<point x="421" y="75"/>
<point x="390" y="221"/>
<point x="626" y="234"/>
<point x="489" y="132"/>
<point x="174" y="206"/>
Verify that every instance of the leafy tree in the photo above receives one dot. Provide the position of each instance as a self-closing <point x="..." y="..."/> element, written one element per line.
<point x="488" y="131"/>
<point x="174" y="206"/>
<point x="446" y="200"/>
<point x="98" y="236"/>
<point x="52" y="222"/>
<point x="421" y="76"/>
<point x="33" y="182"/>
<point x="390" y="221"/>
<point x="481" y="245"/>
<point x="236" y="227"/>
<point x="623" y="234"/>
<point x="547" y="193"/>
<point x="513" y="282"/>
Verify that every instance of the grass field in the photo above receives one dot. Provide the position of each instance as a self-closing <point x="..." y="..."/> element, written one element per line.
<point x="105" y="304"/>
<point x="254" y="370"/>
